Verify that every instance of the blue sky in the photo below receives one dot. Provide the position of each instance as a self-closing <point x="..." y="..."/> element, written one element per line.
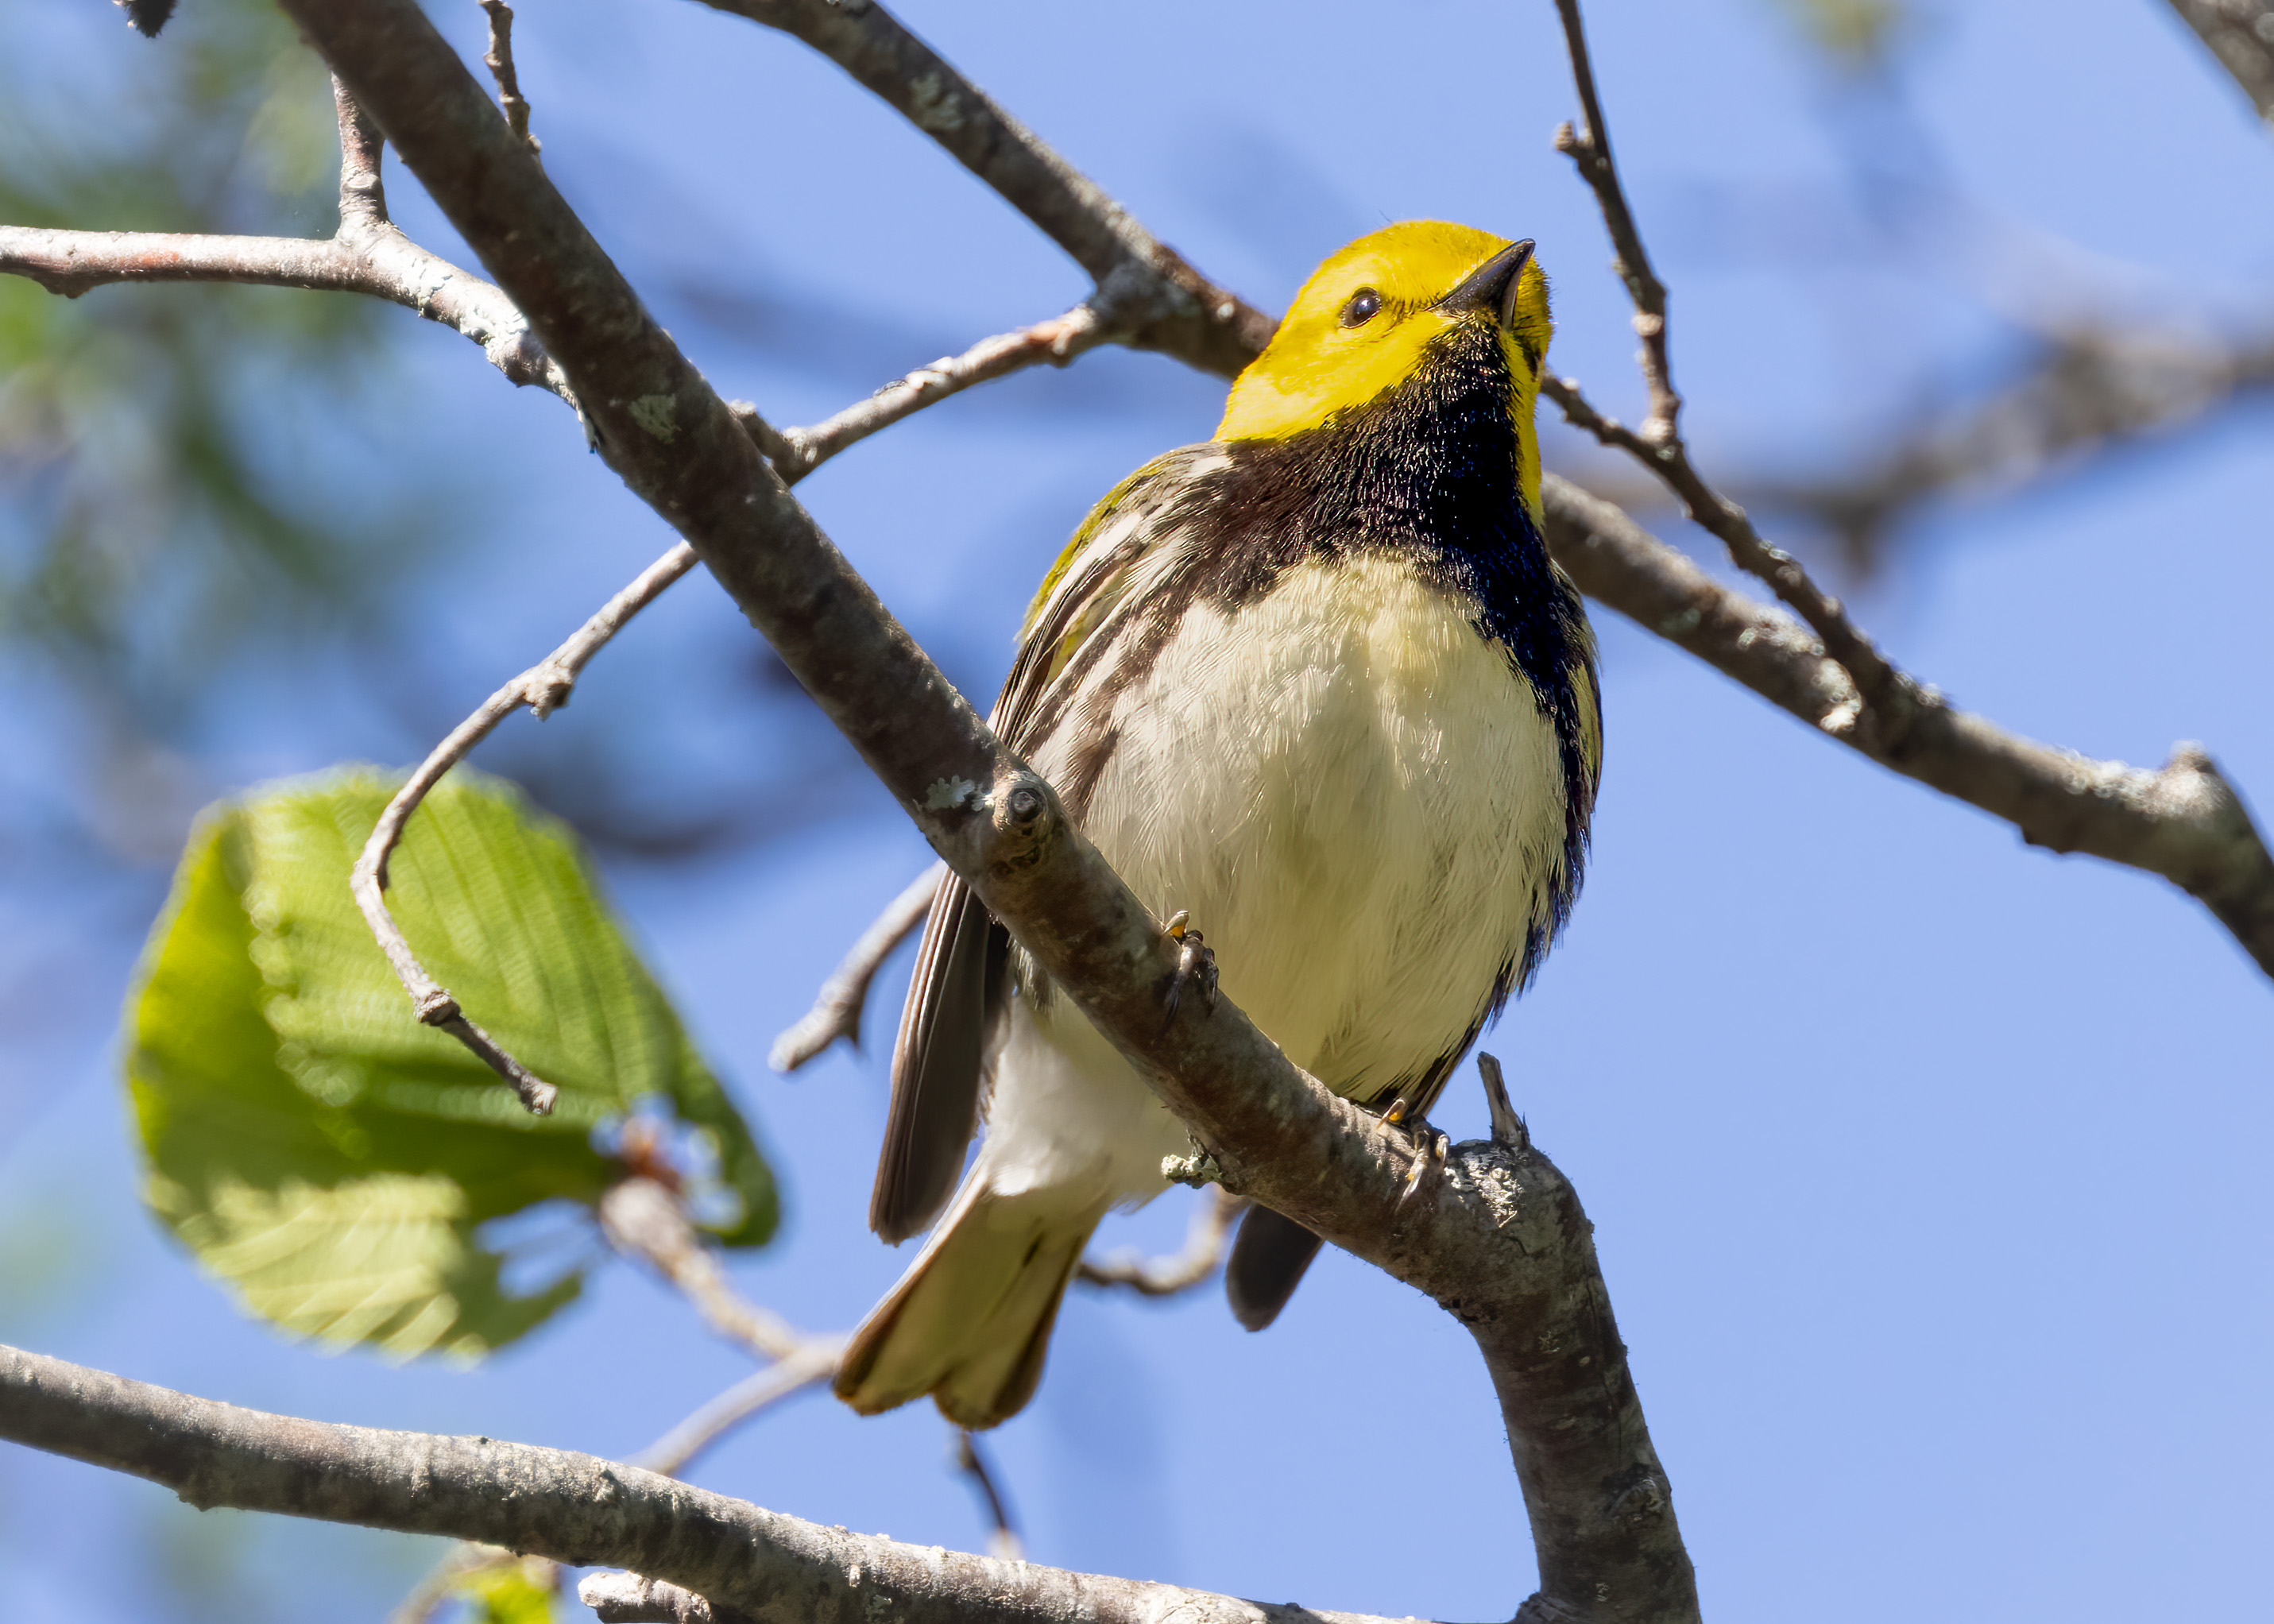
<point x="1927" y="1169"/>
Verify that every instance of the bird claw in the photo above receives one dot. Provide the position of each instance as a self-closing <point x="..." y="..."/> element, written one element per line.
<point x="1195" y="963"/>
<point x="1430" y="1146"/>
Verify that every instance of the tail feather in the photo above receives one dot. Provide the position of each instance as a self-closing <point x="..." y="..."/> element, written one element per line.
<point x="1268" y="1261"/>
<point x="970" y="1321"/>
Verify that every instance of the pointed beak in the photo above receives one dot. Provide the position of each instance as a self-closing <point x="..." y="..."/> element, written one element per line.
<point x="1492" y="285"/>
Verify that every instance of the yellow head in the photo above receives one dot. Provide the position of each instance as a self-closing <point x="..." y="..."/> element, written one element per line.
<point x="1366" y="319"/>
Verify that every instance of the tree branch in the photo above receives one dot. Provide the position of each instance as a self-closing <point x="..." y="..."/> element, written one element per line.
<point x="499" y="61"/>
<point x="643" y="1219"/>
<point x="546" y="685"/>
<point x="631" y="1599"/>
<point x="1160" y="302"/>
<point x="2183" y="821"/>
<point x="1057" y="341"/>
<point x="676" y="1450"/>
<point x="2210" y="850"/>
<point x="572" y="1508"/>
<point x="1589" y="147"/>
<point x="368" y="254"/>
<point x="1888" y="695"/>
<point x="836" y="1011"/>
<point x="2240" y="34"/>
<point x="1204" y="1243"/>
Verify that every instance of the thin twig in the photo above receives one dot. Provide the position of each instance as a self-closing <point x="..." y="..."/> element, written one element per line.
<point x="643" y="1219"/>
<point x="1002" y="1537"/>
<point x="635" y="1598"/>
<point x="545" y="687"/>
<point x="1589" y="147"/>
<point x="2183" y="821"/>
<point x="676" y="1450"/>
<point x="1891" y="696"/>
<point x="1508" y="1129"/>
<point x="669" y="1457"/>
<point x="367" y="255"/>
<point x="836" y="1011"/>
<point x="499" y="61"/>
<point x="1213" y="1218"/>
<point x="1057" y="341"/>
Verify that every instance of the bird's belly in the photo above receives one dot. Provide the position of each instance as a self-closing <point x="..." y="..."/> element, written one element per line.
<point x="1357" y="798"/>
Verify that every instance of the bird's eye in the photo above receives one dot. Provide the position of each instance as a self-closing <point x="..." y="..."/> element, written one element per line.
<point x="1363" y="306"/>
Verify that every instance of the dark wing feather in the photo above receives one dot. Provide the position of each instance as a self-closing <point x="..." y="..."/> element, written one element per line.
<point x="956" y="1000"/>
<point x="938" y="1062"/>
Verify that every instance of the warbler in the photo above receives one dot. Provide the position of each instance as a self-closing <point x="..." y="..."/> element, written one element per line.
<point x="1316" y="684"/>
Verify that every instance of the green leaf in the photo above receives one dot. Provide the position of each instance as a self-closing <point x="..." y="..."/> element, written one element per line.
<point x="326" y="1155"/>
<point x="511" y="1593"/>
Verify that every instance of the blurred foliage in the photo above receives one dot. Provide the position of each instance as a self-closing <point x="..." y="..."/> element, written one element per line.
<point x="331" y="1159"/>
<point x="154" y="510"/>
<point x="1858" y="35"/>
<point x="512" y="1592"/>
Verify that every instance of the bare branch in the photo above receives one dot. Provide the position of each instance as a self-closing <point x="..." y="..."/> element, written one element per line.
<point x="367" y="255"/>
<point x="1589" y="147"/>
<point x="1888" y="693"/>
<point x="814" y="1360"/>
<point x="643" y="1219"/>
<point x="544" y="687"/>
<point x="676" y="1450"/>
<point x="628" y="1598"/>
<point x="836" y="1011"/>
<point x="571" y="1508"/>
<point x="1595" y="1494"/>
<point x="362" y="194"/>
<point x="1889" y="700"/>
<point x="1212" y="1222"/>
<point x="2183" y="821"/>
<point x="499" y="61"/>
<point x="1508" y="1128"/>
<point x="2240" y="34"/>
<point x="1058" y="342"/>
<point x="1163" y="303"/>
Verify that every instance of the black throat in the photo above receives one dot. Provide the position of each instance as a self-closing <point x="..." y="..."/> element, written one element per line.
<point x="1428" y="470"/>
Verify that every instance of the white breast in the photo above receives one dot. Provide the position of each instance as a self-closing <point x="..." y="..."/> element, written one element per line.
<point x="1357" y="798"/>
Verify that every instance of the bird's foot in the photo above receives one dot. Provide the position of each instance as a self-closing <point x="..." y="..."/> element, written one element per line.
<point x="1430" y="1146"/>
<point x="1195" y="963"/>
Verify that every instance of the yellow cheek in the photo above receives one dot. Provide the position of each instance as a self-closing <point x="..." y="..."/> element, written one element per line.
<point x="1307" y="377"/>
